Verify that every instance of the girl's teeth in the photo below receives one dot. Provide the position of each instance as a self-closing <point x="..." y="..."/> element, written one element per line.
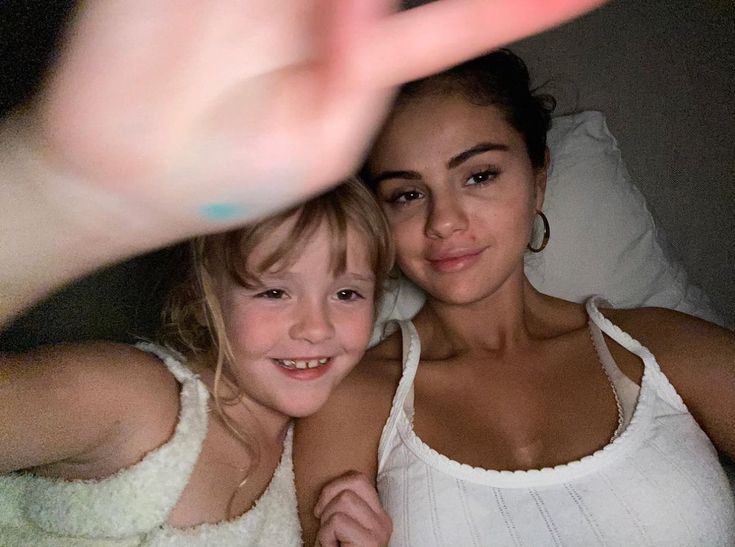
<point x="302" y="365"/>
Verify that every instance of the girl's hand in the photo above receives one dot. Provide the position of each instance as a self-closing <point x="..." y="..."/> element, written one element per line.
<point x="350" y="513"/>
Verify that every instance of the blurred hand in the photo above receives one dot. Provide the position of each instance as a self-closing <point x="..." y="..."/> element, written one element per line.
<point x="212" y="112"/>
<point x="350" y="513"/>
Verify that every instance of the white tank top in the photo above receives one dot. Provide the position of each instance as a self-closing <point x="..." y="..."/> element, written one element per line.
<point x="658" y="481"/>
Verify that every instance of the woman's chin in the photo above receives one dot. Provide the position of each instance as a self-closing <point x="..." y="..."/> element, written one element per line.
<point x="459" y="294"/>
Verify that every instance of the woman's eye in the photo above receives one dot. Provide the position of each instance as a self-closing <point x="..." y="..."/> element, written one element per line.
<point x="272" y="294"/>
<point x="405" y="197"/>
<point x="348" y="294"/>
<point x="483" y="177"/>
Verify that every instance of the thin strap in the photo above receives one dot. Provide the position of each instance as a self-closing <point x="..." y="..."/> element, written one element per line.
<point x="651" y="368"/>
<point x="403" y="399"/>
<point x="625" y="390"/>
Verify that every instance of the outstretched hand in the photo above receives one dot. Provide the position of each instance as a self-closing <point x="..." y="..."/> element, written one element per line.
<point x="165" y="119"/>
<point x="217" y="111"/>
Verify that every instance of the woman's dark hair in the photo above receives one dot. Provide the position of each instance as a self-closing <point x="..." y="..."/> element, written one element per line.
<point x="499" y="79"/>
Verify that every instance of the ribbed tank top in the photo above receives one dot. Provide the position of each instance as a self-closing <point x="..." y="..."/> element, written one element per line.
<point x="657" y="482"/>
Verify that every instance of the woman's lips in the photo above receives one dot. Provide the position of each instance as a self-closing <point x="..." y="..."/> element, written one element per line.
<point x="455" y="261"/>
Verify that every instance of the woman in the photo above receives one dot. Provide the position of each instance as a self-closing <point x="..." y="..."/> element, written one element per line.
<point x="501" y="415"/>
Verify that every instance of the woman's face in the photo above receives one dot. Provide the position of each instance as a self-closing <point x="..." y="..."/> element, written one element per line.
<point x="460" y="193"/>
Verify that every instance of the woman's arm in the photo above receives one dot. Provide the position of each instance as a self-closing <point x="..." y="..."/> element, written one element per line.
<point x="698" y="358"/>
<point x="163" y="120"/>
<point x="340" y="440"/>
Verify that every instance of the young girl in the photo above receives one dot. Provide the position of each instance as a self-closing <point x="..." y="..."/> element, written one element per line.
<point x="104" y="444"/>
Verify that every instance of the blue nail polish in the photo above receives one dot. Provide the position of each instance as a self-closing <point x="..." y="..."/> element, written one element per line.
<point x="222" y="211"/>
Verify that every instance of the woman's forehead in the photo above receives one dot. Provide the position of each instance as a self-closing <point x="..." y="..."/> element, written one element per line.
<point x="437" y="128"/>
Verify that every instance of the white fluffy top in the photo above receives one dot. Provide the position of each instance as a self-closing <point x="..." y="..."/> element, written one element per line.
<point x="131" y="506"/>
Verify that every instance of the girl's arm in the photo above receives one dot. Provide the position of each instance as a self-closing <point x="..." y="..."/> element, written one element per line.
<point x="161" y="121"/>
<point x="350" y="513"/>
<point x="83" y="411"/>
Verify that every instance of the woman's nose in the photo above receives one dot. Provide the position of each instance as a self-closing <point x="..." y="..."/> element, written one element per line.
<point x="312" y="324"/>
<point x="446" y="216"/>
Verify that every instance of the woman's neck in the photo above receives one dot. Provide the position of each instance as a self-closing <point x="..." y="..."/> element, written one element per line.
<point x="500" y="322"/>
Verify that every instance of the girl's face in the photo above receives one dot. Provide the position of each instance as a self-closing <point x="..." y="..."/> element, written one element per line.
<point x="460" y="194"/>
<point x="295" y="337"/>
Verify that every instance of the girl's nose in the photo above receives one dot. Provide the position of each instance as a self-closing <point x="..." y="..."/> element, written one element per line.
<point x="312" y="324"/>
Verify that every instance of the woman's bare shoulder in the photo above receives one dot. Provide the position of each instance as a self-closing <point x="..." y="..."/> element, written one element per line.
<point x="697" y="356"/>
<point x="346" y="430"/>
<point x="671" y="333"/>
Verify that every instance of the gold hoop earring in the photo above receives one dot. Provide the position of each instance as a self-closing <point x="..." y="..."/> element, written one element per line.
<point x="547" y="234"/>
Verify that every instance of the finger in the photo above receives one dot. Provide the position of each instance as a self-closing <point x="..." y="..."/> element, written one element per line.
<point x="352" y="505"/>
<point x="342" y="530"/>
<point x="420" y="41"/>
<point x="341" y="27"/>
<point x="354" y="481"/>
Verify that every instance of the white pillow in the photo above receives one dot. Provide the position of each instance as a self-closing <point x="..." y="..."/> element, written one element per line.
<point x="603" y="238"/>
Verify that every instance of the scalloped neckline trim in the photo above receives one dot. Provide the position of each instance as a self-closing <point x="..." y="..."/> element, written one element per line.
<point x="613" y="451"/>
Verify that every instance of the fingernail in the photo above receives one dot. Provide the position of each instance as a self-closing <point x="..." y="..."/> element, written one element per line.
<point x="223" y="212"/>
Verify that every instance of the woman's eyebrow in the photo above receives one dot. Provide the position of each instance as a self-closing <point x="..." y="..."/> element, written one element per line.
<point x="477" y="149"/>
<point x="410" y="175"/>
<point x="451" y="164"/>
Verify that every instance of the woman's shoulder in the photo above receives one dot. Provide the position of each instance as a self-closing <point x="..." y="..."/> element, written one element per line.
<point x="697" y="357"/>
<point x="694" y="354"/>
<point x="343" y="436"/>
<point x="669" y="332"/>
<point x="369" y="387"/>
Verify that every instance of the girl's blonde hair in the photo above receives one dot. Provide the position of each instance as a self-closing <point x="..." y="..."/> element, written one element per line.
<point x="193" y="321"/>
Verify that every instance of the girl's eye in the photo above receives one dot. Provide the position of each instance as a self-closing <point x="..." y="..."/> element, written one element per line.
<point x="483" y="177"/>
<point x="348" y="294"/>
<point x="404" y="196"/>
<point x="272" y="294"/>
